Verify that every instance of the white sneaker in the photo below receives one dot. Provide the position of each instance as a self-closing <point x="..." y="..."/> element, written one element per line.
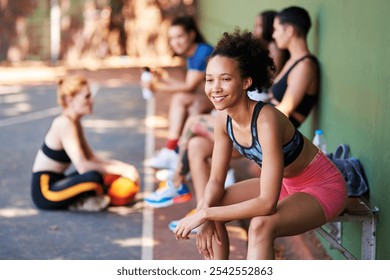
<point x="90" y="204"/>
<point x="165" y="175"/>
<point x="168" y="175"/>
<point x="165" y="159"/>
<point x="230" y="179"/>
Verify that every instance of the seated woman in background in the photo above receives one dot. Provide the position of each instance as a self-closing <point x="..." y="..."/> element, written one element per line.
<point x="296" y="88"/>
<point x="65" y="144"/>
<point x="188" y="98"/>
<point x="263" y="28"/>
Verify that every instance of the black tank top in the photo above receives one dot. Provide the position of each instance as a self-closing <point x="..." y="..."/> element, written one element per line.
<point x="308" y="101"/>
<point x="291" y="149"/>
<point x="57" y="155"/>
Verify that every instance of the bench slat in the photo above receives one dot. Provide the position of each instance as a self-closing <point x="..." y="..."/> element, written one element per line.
<point x="357" y="206"/>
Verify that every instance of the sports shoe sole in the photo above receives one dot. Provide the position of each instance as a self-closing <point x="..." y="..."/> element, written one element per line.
<point x="178" y="199"/>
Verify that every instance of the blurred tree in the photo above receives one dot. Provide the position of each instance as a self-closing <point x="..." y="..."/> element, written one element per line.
<point x="117" y="24"/>
<point x="10" y="11"/>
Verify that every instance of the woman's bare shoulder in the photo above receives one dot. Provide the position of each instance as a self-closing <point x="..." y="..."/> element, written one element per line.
<point x="220" y="120"/>
<point x="307" y="64"/>
<point x="62" y="121"/>
<point x="62" y="124"/>
<point x="271" y="118"/>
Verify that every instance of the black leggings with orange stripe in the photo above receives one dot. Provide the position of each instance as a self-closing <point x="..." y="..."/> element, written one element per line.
<point x="56" y="191"/>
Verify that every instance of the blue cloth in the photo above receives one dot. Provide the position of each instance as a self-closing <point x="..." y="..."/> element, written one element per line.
<point x="198" y="61"/>
<point x="352" y="170"/>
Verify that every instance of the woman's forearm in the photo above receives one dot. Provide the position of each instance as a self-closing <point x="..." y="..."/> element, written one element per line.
<point x="212" y="195"/>
<point x="244" y="210"/>
<point x="172" y="87"/>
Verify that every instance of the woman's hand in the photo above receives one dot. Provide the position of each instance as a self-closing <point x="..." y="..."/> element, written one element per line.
<point x="204" y="239"/>
<point x="130" y="172"/>
<point x="160" y="73"/>
<point x="188" y="223"/>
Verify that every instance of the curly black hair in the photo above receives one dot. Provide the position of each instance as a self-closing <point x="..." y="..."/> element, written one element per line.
<point x="251" y="54"/>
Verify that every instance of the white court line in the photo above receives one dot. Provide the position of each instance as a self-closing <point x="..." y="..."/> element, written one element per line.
<point x="41" y="114"/>
<point x="147" y="215"/>
<point x="5" y="90"/>
<point x="30" y="117"/>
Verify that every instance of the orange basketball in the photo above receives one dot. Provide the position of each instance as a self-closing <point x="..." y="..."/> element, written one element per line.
<point x="109" y="178"/>
<point x="122" y="191"/>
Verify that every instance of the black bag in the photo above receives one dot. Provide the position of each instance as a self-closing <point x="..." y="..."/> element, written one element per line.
<point x="352" y="170"/>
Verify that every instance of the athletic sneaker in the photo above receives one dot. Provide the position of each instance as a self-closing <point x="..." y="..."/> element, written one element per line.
<point x="168" y="175"/>
<point x="165" y="159"/>
<point x="165" y="175"/>
<point x="172" y="225"/>
<point x="90" y="204"/>
<point x="167" y="195"/>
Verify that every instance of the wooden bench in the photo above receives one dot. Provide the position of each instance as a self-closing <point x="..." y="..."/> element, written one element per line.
<point x="357" y="210"/>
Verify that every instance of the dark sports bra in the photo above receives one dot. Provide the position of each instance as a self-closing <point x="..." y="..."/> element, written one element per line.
<point x="57" y="155"/>
<point x="291" y="150"/>
<point x="308" y="101"/>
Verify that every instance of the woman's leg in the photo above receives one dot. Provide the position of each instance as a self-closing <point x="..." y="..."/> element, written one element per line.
<point x="221" y="251"/>
<point x="199" y="152"/>
<point x="295" y="214"/>
<point x="236" y="193"/>
<point x="91" y="181"/>
<point x="53" y="191"/>
<point x="199" y="125"/>
<point x="178" y="113"/>
<point x="201" y="105"/>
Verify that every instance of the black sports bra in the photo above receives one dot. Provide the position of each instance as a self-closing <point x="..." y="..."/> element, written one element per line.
<point x="291" y="150"/>
<point x="279" y="89"/>
<point x="57" y="155"/>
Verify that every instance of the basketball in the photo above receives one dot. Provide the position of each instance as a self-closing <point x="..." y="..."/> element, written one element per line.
<point x="122" y="191"/>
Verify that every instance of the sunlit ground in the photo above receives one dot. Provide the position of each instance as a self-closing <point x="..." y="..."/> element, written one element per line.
<point x="17" y="212"/>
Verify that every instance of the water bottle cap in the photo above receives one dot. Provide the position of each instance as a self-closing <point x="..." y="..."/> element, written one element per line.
<point x="319" y="132"/>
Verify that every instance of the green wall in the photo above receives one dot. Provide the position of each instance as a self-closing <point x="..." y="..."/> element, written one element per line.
<point x="351" y="39"/>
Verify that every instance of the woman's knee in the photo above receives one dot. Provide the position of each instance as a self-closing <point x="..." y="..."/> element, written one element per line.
<point x="93" y="176"/>
<point x="261" y="227"/>
<point x="199" y="146"/>
<point x="192" y="122"/>
<point x="201" y="105"/>
<point x="180" y="100"/>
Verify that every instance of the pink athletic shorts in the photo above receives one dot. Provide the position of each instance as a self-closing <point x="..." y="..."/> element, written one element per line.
<point x="322" y="180"/>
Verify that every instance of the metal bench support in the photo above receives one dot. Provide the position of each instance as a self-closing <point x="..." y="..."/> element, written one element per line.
<point x="357" y="211"/>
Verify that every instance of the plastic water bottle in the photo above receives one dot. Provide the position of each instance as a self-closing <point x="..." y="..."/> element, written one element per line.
<point x="319" y="140"/>
<point x="147" y="76"/>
